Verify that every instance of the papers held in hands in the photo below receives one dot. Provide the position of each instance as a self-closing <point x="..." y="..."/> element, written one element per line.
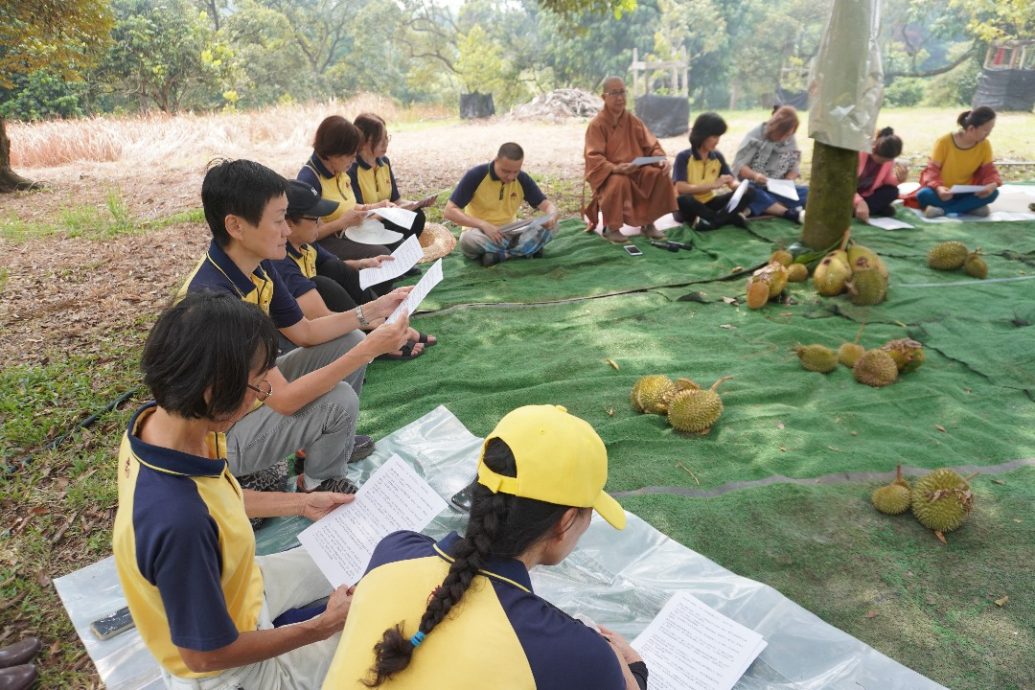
<point x="394" y="498"/>
<point x="405" y="256"/>
<point x="648" y="160"/>
<point x="784" y="188"/>
<point x="965" y="188"/>
<point x="394" y="214"/>
<point x="691" y="645"/>
<point x="519" y="226"/>
<point x="738" y="194"/>
<point x="430" y="279"/>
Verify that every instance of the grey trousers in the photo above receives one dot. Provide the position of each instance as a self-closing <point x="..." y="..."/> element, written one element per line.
<point x="325" y="428"/>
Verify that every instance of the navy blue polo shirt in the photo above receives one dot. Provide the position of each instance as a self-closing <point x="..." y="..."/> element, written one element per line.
<point x="216" y="271"/>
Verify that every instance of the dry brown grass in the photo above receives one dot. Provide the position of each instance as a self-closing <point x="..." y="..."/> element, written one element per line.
<point x="159" y="138"/>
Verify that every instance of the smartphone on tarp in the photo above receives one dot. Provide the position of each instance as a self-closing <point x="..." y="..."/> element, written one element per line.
<point x="632" y="250"/>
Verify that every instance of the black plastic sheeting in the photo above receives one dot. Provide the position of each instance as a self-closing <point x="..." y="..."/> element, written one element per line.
<point x="476" y="105"/>
<point x="665" y="116"/>
<point x="1006" y="90"/>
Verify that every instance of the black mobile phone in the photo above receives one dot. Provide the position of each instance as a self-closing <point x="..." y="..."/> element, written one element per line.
<point x="110" y="626"/>
<point x="632" y="250"/>
<point x="461" y="500"/>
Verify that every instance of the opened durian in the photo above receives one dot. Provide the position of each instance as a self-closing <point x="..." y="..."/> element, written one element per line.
<point x="947" y="256"/>
<point x="894" y="498"/>
<point x="817" y="358"/>
<point x="695" y="411"/>
<point x="875" y="368"/>
<point x="907" y="353"/>
<point x="942" y="500"/>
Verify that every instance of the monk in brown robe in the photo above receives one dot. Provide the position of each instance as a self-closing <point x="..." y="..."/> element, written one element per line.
<point x="626" y="194"/>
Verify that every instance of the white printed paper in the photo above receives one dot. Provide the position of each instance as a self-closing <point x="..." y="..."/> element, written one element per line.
<point x="965" y="188"/>
<point x="691" y="645"/>
<point x="738" y="193"/>
<point x="405" y="256"/>
<point x="888" y="223"/>
<point x="784" y="188"/>
<point x="394" y="498"/>
<point x="393" y="214"/>
<point x="647" y="160"/>
<point x="430" y="279"/>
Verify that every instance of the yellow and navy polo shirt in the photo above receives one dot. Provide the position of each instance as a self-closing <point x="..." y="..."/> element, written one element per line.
<point x="184" y="549"/>
<point x="690" y="168"/>
<point x="373" y="183"/>
<point x="333" y="187"/>
<point x="482" y="194"/>
<point x="500" y="634"/>
<point x="217" y="272"/>
<point x="300" y="266"/>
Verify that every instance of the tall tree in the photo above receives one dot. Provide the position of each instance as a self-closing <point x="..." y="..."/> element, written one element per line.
<point x="66" y="36"/>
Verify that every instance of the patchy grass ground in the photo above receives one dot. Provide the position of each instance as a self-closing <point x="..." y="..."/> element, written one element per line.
<point x="89" y="261"/>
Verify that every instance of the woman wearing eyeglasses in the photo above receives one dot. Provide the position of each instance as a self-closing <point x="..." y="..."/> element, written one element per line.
<point x="205" y="605"/>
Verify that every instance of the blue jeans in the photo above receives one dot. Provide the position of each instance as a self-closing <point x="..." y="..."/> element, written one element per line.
<point x="959" y="203"/>
<point x="763" y="199"/>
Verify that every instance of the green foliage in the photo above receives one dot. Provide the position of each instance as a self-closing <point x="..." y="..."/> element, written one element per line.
<point x="41" y="95"/>
<point x="904" y="92"/>
<point x="992" y="21"/>
<point x="955" y="87"/>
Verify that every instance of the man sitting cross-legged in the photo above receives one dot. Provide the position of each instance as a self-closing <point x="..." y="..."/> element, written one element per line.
<point x="311" y="396"/>
<point x="488" y="197"/>
<point x="625" y="193"/>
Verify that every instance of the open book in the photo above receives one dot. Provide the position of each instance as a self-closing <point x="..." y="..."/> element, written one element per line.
<point x="394" y="498"/>
<point x="691" y="645"/>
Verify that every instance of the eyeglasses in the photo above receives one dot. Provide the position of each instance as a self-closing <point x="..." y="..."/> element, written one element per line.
<point x="616" y="94"/>
<point x="312" y="218"/>
<point x="264" y="393"/>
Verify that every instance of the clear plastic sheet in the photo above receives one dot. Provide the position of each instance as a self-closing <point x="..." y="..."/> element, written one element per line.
<point x="619" y="579"/>
<point x="847" y="81"/>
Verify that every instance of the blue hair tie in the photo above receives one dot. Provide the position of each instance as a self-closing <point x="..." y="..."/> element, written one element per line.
<point x="417" y="638"/>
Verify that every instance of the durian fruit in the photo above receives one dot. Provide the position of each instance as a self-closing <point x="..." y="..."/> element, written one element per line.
<point x="831" y="275"/>
<point x="867" y="286"/>
<point x="875" y="368"/>
<point x="942" y="501"/>
<point x="947" y="256"/>
<point x="777" y="279"/>
<point x="849" y="353"/>
<point x="782" y="257"/>
<point x="797" y="273"/>
<point x="975" y="266"/>
<point x="907" y="353"/>
<point x="757" y="292"/>
<point x="817" y="358"/>
<point x="652" y="393"/>
<point x="695" y="411"/>
<point x="686" y="385"/>
<point x="894" y="498"/>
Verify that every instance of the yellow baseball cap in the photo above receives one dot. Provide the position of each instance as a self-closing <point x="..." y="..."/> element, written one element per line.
<point x="560" y="459"/>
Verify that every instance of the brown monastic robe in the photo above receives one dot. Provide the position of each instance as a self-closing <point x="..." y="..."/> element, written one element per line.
<point x="635" y="199"/>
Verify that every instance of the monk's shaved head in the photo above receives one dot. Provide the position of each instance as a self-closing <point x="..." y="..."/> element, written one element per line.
<point x="612" y="83"/>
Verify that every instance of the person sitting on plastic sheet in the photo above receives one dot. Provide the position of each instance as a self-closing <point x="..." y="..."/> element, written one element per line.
<point x="701" y="170"/>
<point x="879" y="177"/>
<point x="315" y="406"/>
<point x="461" y="613"/>
<point x="624" y="193"/>
<point x="487" y="198"/>
<point x="963" y="157"/>
<point x="320" y="282"/>
<point x="770" y="151"/>
<point x="204" y="604"/>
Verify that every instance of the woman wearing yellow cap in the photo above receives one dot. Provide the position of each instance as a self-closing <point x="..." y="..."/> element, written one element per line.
<point x="460" y="613"/>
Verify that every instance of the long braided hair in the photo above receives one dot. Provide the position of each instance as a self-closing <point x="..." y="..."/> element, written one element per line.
<point x="500" y="526"/>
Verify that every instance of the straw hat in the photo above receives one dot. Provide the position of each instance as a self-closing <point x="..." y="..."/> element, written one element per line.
<point x="437" y="241"/>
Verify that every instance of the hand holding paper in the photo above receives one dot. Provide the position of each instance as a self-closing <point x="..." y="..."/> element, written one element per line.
<point x="784" y="188"/>
<point x="648" y="160"/>
<point x="430" y="279"/>
<point x="405" y="257"/>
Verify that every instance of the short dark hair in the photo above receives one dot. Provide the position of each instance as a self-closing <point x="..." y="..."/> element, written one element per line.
<point x="207" y="377"/>
<point x="888" y="144"/>
<point x="240" y="188"/>
<point x="975" y="118"/>
<point x="511" y="151"/>
<point x="336" y="136"/>
<point x="371" y="127"/>
<point x="706" y="125"/>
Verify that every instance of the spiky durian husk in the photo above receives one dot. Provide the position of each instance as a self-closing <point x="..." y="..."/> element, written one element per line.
<point x="947" y="256"/>
<point x="942" y="500"/>
<point x="652" y="393"/>
<point x="817" y="358"/>
<point x="875" y="368"/>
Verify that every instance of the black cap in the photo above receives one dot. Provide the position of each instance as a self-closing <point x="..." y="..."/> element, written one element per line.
<point x="304" y="200"/>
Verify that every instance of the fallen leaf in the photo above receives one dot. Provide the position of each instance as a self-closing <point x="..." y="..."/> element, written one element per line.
<point x="940" y="428"/>
<point x="779" y="425"/>
<point x="611" y="412"/>
<point x="998" y="481"/>
<point x="1002" y="601"/>
<point x="728" y="326"/>
<point x="854" y="433"/>
<point x="614" y="364"/>
<point x="872" y="613"/>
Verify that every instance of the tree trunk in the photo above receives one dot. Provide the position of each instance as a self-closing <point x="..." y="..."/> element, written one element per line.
<point x="831" y="190"/>
<point x="10" y="181"/>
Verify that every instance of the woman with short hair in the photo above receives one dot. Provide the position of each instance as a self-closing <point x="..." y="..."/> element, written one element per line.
<point x="461" y="613"/>
<point x="770" y="151"/>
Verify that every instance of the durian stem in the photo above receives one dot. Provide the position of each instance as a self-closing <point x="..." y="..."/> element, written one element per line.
<point x="898" y="472"/>
<point x="859" y="333"/>
<point x="716" y="384"/>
